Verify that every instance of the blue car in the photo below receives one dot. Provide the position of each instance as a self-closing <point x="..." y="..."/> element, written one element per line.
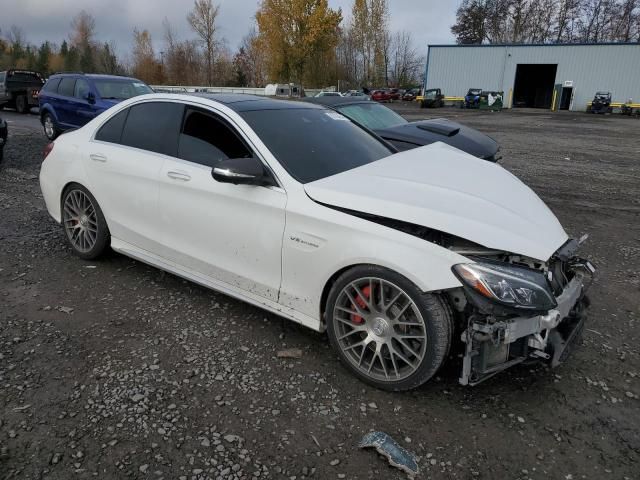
<point x="70" y="100"/>
<point x="472" y="98"/>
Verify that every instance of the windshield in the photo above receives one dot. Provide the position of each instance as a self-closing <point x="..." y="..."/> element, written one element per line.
<point x="110" y="89"/>
<point x="430" y="93"/>
<point x="372" y="115"/>
<point x="475" y="91"/>
<point x="315" y="143"/>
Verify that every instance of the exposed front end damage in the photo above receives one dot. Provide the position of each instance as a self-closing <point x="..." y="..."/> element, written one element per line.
<point x="498" y="335"/>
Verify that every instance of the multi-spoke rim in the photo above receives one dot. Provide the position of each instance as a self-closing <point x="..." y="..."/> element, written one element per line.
<point x="80" y="220"/>
<point x="379" y="329"/>
<point x="48" y="126"/>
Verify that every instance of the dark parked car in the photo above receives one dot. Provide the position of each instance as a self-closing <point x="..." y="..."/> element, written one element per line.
<point x="472" y="98"/>
<point x="433" y="98"/>
<point x="3" y="137"/>
<point x="19" y="89"/>
<point x="70" y="100"/>
<point x="380" y="96"/>
<point x="395" y="94"/>
<point x="410" y="95"/>
<point x="407" y="135"/>
<point x="601" y="103"/>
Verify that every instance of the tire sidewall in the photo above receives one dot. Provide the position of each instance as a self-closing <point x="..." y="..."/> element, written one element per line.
<point x="435" y="315"/>
<point x="103" y="236"/>
<point x="21" y="104"/>
<point x="55" y="132"/>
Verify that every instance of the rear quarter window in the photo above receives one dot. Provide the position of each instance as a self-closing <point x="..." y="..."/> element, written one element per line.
<point x="111" y="131"/>
<point x="66" y="86"/>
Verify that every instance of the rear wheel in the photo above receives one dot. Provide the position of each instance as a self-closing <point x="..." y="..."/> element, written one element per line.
<point x="21" y="104"/>
<point x="50" y="130"/>
<point x="385" y="330"/>
<point x="83" y="222"/>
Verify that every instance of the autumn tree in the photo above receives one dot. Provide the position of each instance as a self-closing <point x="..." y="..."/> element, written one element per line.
<point x="145" y="65"/>
<point x="203" y="21"/>
<point x="82" y="35"/>
<point x="298" y="38"/>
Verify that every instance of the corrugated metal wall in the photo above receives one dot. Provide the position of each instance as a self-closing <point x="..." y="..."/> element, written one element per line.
<point x="614" y="68"/>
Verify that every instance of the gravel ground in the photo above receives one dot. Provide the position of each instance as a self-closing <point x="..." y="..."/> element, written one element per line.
<point x="114" y="369"/>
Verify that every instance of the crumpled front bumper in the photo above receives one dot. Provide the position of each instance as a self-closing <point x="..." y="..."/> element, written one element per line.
<point x="493" y="347"/>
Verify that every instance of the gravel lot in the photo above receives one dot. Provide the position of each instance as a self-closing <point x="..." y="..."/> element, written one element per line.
<point x="114" y="369"/>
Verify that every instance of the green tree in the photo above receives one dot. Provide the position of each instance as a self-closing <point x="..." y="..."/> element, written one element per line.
<point x="42" y="62"/>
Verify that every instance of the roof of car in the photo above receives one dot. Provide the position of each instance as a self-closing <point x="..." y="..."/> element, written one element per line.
<point x="244" y="103"/>
<point x="336" y="101"/>
<point x="94" y="75"/>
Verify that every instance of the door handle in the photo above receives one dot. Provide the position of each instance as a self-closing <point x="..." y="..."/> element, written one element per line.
<point x="98" y="157"/>
<point x="179" y="176"/>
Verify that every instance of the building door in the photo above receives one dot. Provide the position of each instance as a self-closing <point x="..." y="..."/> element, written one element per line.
<point x="533" y="86"/>
<point x="565" y="99"/>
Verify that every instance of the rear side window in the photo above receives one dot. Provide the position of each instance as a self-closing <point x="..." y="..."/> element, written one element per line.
<point x="52" y="85"/>
<point x="112" y="130"/>
<point x="66" y="86"/>
<point x="153" y="126"/>
<point x="207" y="140"/>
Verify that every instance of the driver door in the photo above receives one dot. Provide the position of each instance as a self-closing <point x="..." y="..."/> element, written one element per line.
<point x="231" y="233"/>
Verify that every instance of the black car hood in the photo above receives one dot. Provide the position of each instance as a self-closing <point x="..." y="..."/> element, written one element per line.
<point x="427" y="132"/>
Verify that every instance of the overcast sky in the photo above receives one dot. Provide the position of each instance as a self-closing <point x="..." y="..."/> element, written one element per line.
<point x="427" y="20"/>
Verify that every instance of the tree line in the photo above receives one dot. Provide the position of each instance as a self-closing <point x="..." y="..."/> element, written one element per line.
<point x="299" y="41"/>
<point x="547" y="21"/>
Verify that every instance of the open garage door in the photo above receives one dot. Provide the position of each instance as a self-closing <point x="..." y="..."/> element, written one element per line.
<point x="533" y="87"/>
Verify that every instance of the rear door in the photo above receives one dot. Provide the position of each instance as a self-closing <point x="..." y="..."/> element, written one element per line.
<point x="123" y="164"/>
<point x="63" y="100"/>
<point x="231" y="233"/>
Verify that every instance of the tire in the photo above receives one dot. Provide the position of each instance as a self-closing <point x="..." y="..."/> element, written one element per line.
<point x="50" y="130"/>
<point x="22" y="105"/>
<point x="402" y="337"/>
<point x="83" y="222"/>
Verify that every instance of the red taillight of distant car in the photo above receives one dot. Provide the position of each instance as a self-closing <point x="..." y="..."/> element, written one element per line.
<point x="47" y="150"/>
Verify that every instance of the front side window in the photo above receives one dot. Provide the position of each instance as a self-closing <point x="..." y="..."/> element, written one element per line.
<point x="120" y="89"/>
<point x="207" y="140"/>
<point x="153" y="126"/>
<point x="314" y="143"/>
<point x="372" y="115"/>
<point x="82" y="89"/>
<point x="66" y="86"/>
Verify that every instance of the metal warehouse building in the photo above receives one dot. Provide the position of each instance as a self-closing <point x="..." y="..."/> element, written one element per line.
<point x="557" y="76"/>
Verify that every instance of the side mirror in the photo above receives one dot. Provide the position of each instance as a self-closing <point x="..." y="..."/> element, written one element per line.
<point x="240" y="171"/>
<point x="91" y="98"/>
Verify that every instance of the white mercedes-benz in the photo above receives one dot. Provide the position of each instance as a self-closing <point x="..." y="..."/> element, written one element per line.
<point x="401" y="257"/>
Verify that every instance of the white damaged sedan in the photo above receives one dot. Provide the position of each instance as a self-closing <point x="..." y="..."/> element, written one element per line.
<point x="400" y="257"/>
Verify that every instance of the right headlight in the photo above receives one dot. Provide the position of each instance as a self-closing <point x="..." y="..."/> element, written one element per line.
<point x="507" y="285"/>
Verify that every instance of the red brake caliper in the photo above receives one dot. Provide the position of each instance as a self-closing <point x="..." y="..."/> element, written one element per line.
<point x="366" y="291"/>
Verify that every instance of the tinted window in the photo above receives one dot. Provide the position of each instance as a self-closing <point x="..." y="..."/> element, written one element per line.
<point x="207" y="140"/>
<point x="315" y="143"/>
<point x="372" y="115"/>
<point x="81" y="89"/>
<point x="25" y="77"/>
<point x="153" y="126"/>
<point x="2" y="74"/>
<point x="52" y="85"/>
<point x="120" y="89"/>
<point x="66" y="86"/>
<point x="112" y="130"/>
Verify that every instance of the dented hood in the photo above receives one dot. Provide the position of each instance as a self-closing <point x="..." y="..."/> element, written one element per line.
<point x="441" y="187"/>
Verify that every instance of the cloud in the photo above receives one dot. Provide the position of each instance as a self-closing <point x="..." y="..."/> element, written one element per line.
<point x="427" y="20"/>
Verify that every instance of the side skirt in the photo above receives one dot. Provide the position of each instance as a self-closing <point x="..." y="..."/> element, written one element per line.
<point x="208" y="282"/>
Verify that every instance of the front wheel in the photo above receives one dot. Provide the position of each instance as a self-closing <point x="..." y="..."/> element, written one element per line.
<point x="385" y="330"/>
<point x="84" y="224"/>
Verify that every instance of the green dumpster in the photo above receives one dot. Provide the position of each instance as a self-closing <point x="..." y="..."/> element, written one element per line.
<point x="491" y="101"/>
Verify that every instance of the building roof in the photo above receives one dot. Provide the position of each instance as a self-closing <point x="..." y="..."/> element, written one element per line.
<point x="581" y="44"/>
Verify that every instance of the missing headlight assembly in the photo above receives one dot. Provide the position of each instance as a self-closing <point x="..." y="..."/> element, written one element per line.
<point x="517" y="313"/>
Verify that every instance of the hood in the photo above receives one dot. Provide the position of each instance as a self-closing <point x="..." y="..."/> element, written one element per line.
<point x="442" y="130"/>
<point x="440" y="187"/>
